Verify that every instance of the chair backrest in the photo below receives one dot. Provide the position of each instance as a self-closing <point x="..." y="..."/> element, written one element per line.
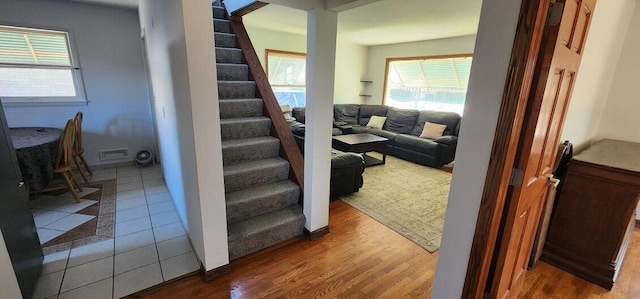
<point x="65" y="148"/>
<point x="77" y="120"/>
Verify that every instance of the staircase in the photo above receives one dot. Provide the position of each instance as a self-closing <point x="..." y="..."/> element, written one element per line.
<point x="262" y="204"/>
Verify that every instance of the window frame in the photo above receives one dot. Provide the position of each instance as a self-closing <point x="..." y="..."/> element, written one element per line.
<point x="75" y="67"/>
<point x="283" y="53"/>
<point x="274" y="87"/>
<point x="412" y="58"/>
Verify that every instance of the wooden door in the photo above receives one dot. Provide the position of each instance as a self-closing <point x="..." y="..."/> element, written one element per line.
<point x="555" y="75"/>
<point x="16" y="221"/>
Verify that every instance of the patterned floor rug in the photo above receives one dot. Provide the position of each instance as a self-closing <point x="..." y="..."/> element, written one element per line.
<point x="409" y="198"/>
<point x="63" y="224"/>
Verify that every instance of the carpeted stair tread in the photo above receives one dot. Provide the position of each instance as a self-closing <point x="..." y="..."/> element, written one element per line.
<point x="238" y="176"/>
<point x="221" y="25"/>
<point x="251" y="149"/>
<point x="232" y="72"/>
<point x="224" y="40"/>
<point x="236" y="89"/>
<point x="262" y="231"/>
<point x="241" y="108"/>
<point x="218" y="12"/>
<point x="242" y="128"/>
<point x="228" y="55"/>
<point x="261" y="199"/>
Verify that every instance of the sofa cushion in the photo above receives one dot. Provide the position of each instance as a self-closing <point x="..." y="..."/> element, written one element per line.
<point x="432" y="130"/>
<point x="384" y="133"/>
<point x="360" y="129"/>
<point x="401" y="120"/>
<point x="451" y="119"/>
<point x="298" y="113"/>
<point x="366" y="111"/>
<point x="346" y="113"/>
<point x="417" y="144"/>
<point x="377" y="122"/>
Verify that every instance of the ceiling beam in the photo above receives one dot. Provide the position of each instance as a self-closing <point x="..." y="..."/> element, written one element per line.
<point x="297" y="4"/>
<point x="342" y="5"/>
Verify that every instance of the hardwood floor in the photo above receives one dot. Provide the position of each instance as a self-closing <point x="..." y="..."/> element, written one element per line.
<point x="361" y="258"/>
<point x="546" y="281"/>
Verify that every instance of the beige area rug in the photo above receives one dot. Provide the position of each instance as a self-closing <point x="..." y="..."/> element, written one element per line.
<point x="409" y="198"/>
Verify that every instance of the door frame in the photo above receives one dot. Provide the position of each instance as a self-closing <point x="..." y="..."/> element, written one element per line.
<point x="522" y="65"/>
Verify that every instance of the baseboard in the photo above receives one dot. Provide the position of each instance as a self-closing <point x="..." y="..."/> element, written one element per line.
<point x="316" y="233"/>
<point x="214" y="273"/>
<point x="148" y="292"/>
<point x="112" y="165"/>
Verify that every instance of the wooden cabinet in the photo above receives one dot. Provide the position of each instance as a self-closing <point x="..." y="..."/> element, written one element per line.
<point x="595" y="214"/>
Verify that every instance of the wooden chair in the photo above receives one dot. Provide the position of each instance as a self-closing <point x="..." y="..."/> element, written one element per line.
<point x="64" y="162"/>
<point x="78" y="150"/>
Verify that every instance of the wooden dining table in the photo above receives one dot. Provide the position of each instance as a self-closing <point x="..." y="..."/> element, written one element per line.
<point x="37" y="151"/>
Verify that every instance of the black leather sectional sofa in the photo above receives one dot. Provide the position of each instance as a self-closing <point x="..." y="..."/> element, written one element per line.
<point x="402" y="127"/>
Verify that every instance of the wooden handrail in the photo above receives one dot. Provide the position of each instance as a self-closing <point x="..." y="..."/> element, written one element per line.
<point x="279" y="127"/>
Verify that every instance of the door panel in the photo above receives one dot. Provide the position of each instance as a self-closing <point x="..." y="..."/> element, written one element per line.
<point x="582" y="23"/>
<point x="537" y="148"/>
<point x="16" y="221"/>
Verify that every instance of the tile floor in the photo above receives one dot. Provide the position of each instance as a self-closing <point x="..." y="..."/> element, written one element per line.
<point x="150" y="245"/>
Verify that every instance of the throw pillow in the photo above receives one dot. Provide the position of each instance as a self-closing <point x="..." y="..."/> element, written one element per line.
<point x="286" y="110"/>
<point x="376" y="121"/>
<point x="432" y="130"/>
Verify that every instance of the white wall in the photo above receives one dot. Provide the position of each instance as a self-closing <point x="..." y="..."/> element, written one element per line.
<point x="596" y="75"/>
<point x="496" y="31"/>
<point x="351" y="59"/>
<point x="8" y="281"/>
<point x="179" y="38"/>
<point x="351" y="67"/>
<point x="377" y="57"/>
<point x="110" y="54"/>
<point x="620" y="117"/>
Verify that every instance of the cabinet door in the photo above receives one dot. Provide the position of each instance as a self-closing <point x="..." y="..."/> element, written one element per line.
<point x="16" y="221"/>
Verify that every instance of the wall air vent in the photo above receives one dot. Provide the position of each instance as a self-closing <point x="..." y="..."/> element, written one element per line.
<point x="114" y="154"/>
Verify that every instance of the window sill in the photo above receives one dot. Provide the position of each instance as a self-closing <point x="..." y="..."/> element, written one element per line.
<point x="44" y="103"/>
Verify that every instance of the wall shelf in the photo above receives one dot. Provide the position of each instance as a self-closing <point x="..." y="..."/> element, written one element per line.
<point x="364" y="91"/>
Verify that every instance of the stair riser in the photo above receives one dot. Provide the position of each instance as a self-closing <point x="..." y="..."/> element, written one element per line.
<point x="225" y="40"/>
<point x="226" y="55"/>
<point x="252" y="152"/>
<point x="240" y="211"/>
<point x="236" y="90"/>
<point x="255" y="242"/>
<point x="242" y="180"/>
<point x="221" y="26"/>
<point x="232" y="131"/>
<point x="233" y="72"/>
<point x="239" y="109"/>
<point x="218" y="12"/>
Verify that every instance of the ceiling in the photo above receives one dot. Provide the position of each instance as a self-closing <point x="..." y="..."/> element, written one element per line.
<point x="383" y="22"/>
<point x="129" y="4"/>
<point x="378" y="23"/>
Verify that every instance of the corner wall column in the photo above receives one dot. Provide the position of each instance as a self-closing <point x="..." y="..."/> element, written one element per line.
<point x="321" y="60"/>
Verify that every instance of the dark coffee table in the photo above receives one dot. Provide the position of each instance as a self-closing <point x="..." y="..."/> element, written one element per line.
<point x="362" y="143"/>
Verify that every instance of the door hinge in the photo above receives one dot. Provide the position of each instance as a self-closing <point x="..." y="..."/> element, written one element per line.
<point x="555" y="14"/>
<point x="517" y="176"/>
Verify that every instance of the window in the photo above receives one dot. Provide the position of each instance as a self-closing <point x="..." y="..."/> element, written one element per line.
<point x="287" y="75"/>
<point x="37" y="66"/>
<point x="428" y="83"/>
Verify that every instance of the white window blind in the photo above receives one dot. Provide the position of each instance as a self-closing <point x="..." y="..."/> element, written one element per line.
<point x="428" y="83"/>
<point x="37" y="66"/>
<point x="287" y="76"/>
